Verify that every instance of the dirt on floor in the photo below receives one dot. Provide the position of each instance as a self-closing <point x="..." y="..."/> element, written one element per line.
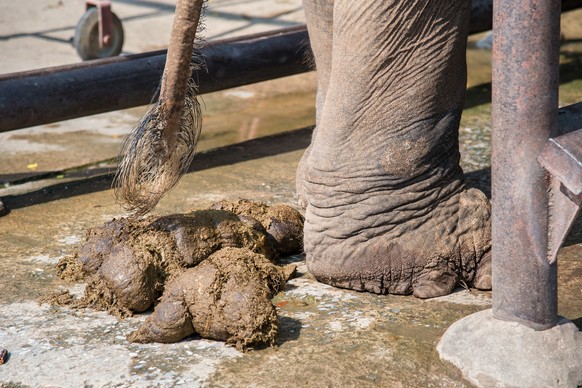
<point x="209" y="272"/>
<point x="326" y="336"/>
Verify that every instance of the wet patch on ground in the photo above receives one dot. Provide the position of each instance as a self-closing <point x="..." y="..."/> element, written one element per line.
<point x="339" y="337"/>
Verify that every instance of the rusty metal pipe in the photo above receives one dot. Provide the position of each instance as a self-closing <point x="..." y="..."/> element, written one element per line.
<point x="482" y="12"/>
<point x="525" y="113"/>
<point x="61" y="93"/>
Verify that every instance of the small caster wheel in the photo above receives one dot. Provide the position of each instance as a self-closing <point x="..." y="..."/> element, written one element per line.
<point x="86" y="38"/>
<point x="3" y="209"/>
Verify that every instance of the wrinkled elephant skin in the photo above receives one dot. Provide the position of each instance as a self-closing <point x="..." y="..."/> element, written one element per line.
<point x="387" y="210"/>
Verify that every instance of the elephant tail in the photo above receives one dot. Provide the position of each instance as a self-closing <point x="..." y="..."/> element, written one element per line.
<point x="160" y="148"/>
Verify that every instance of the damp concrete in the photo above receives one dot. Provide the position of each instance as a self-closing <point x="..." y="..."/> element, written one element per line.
<point x="328" y="336"/>
<point x="57" y="185"/>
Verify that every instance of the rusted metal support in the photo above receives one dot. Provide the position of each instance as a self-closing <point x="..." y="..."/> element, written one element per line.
<point x="525" y="115"/>
<point x="482" y="12"/>
<point x="105" y="19"/>
<point x="536" y="193"/>
<point x="60" y="93"/>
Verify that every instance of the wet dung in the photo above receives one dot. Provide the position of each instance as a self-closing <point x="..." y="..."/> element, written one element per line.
<point x="227" y="297"/>
<point x="209" y="272"/>
<point x="283" y="223"/>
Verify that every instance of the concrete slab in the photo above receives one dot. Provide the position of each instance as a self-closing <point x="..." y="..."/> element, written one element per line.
<point x="37" y="34"/>
<point x="328" y="337"/>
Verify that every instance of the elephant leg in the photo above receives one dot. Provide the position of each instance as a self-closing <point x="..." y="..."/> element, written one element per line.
<point x="387" y="209"/>
<point x="319" y="18"/>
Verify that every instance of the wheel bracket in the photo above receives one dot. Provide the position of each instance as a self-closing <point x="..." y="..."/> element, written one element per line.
<point x="105" y="20"/>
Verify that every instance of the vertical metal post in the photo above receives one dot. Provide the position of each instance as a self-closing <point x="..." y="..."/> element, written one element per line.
<point x="525" y="114"/>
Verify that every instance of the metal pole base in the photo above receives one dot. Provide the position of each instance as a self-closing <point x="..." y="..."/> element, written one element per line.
<point x="493" y="353"/>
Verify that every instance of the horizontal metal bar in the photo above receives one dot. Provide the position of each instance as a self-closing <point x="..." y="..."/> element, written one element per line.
<point x="66" y="92"/>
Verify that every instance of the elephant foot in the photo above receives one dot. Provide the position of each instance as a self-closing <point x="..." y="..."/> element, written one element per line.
<point x="425" y="256"/>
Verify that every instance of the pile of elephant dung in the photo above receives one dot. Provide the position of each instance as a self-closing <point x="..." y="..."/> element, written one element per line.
<point x="283" y="223"/>
<point x="211" y="270"/>
<point x="227" y="297"/>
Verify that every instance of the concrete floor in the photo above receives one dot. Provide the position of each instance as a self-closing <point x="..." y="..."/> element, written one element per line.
<point x="56" y="186"/>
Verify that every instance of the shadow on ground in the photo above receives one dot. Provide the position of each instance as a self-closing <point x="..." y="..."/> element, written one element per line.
<point x="102" y="178"/>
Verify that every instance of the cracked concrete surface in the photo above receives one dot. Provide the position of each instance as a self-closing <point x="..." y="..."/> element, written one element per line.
<point x="328" y="336"/>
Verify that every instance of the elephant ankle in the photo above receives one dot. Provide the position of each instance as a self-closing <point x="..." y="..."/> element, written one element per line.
<point x="426" y="260"/>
